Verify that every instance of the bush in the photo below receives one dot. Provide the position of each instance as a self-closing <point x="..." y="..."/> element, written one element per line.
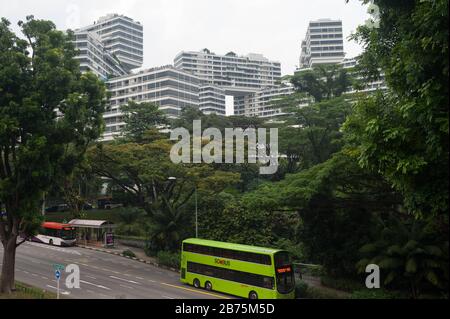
<point x="345" y="284"/>
<point x="320" y="293"/>
<point x="169" y="259"/>
<point x="375" y="294"/>
<point x="301" y="289"/>
<point x="128" y="253"/>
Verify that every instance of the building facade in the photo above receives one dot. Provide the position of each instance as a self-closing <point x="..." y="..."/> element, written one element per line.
<point x="261" y="103"/>
<point x="170" y="88"/>
<point x="94" y="57"/>
<point x="323" y="43"/>
<point x="365" y="87"/>
<point x="212" y="100"/>
<point x="237" y="75"/>
<point x="122" y="37"/>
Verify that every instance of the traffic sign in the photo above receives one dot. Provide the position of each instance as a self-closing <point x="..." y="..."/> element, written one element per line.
<point x="59" y="267"/>
<point x="57" y="274"/>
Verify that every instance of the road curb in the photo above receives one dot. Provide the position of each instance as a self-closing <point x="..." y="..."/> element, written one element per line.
<point x="148" y="262"/>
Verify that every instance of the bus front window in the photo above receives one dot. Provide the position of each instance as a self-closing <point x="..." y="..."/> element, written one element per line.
<point x="284" y="273"/>
<point x="68" y="234"/>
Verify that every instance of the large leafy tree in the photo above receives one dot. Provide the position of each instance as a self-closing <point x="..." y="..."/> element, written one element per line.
<point x="140" y="118"/>
<point x="322" y="81"/>
<point x="162" y="188"/>
<point x="49" y="112"/>
<point x="404" y="134"/>
<point x="335" y="201"/>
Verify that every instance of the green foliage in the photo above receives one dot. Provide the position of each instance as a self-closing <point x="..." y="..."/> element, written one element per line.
<point x="226" y="218"/>
<point x="301" y="289"/>
<point x="49" y="113"/>
<point x="376" y="294"/>
<point x="314" y="292"/>
<point x="169" y="259"/>
<point x="335" y="201"/>
<point x="128" y="253"/>
<point x="322" y="81"/>
<point x="411" y="255"/>
<point x="139" y="118"/>
<point x="404" y="135"/>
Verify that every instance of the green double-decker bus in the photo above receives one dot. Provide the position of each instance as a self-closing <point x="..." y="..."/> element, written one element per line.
<point x="240" y="270"/>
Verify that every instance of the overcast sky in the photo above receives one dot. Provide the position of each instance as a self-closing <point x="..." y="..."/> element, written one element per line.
<point x="274" y="28"/>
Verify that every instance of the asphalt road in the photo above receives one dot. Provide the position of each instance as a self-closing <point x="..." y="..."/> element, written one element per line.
<point x="102" y="275"/>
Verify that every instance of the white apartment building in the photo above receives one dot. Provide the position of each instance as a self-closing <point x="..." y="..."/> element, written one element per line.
<point x="172" y="89"/>
<point x="212" y="100"/>
<point x="368" y="87"/>
<point x="94" y="57"/>
<point x="237" y="75"/>
<point x="121" y="36"/>
<point x="261" y="103"/>
<point x="323" y="43"/>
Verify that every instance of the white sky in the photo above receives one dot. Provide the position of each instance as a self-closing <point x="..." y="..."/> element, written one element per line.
<point x="274" y="28"/>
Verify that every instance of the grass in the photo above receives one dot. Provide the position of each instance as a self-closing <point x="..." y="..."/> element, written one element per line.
<point x="24" y="291"/>
<point x="99" y="214"/>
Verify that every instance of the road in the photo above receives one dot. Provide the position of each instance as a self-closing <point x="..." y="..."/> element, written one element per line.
<point x="102" y="275"/>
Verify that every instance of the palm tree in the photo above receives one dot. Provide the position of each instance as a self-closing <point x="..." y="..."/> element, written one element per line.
<point x="410" y="253"/>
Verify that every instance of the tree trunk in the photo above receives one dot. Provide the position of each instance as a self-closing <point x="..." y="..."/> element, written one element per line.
<point x="9" y="253"/>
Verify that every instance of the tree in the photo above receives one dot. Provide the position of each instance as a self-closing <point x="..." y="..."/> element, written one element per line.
<point x="322" y="81"/>
<point x="404" y="134"/>
<point x="409" y="253"/>
<point x="311" y="134"/>
<point x="335" y="201"/>
<point x="49" y="113"/>
<point x="139" y="118"/>
<point x="160" y="187"/>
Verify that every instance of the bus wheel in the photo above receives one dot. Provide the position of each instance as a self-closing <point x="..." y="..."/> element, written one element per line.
<point x="196" y="283"/>
<point x="50" y="242"/>
<point x="208" y="286"/>
<point x="253" y="295"/>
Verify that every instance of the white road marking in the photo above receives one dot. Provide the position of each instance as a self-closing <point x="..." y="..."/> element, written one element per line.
<point x="63" y="292"/>
<point x="60" y="249"/>
<point x="139" y="278"/>
<point x="43" y="277"/>
<point x="90" y="283"/>
<point x="91" y="277"/>
<point x="133" y="282"/>
<point x="167" y="297"/>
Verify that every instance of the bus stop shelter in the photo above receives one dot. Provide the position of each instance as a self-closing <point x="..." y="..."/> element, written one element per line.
<point x="91" y="232"/>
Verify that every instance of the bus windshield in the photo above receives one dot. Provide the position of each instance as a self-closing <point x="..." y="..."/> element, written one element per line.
<point x="68" y="233"/>
<point x="284" y="273"/>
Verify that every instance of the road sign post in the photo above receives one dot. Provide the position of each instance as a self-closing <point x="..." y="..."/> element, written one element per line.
<point x="58" y="268"/>
<point x="58" y="277"/>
